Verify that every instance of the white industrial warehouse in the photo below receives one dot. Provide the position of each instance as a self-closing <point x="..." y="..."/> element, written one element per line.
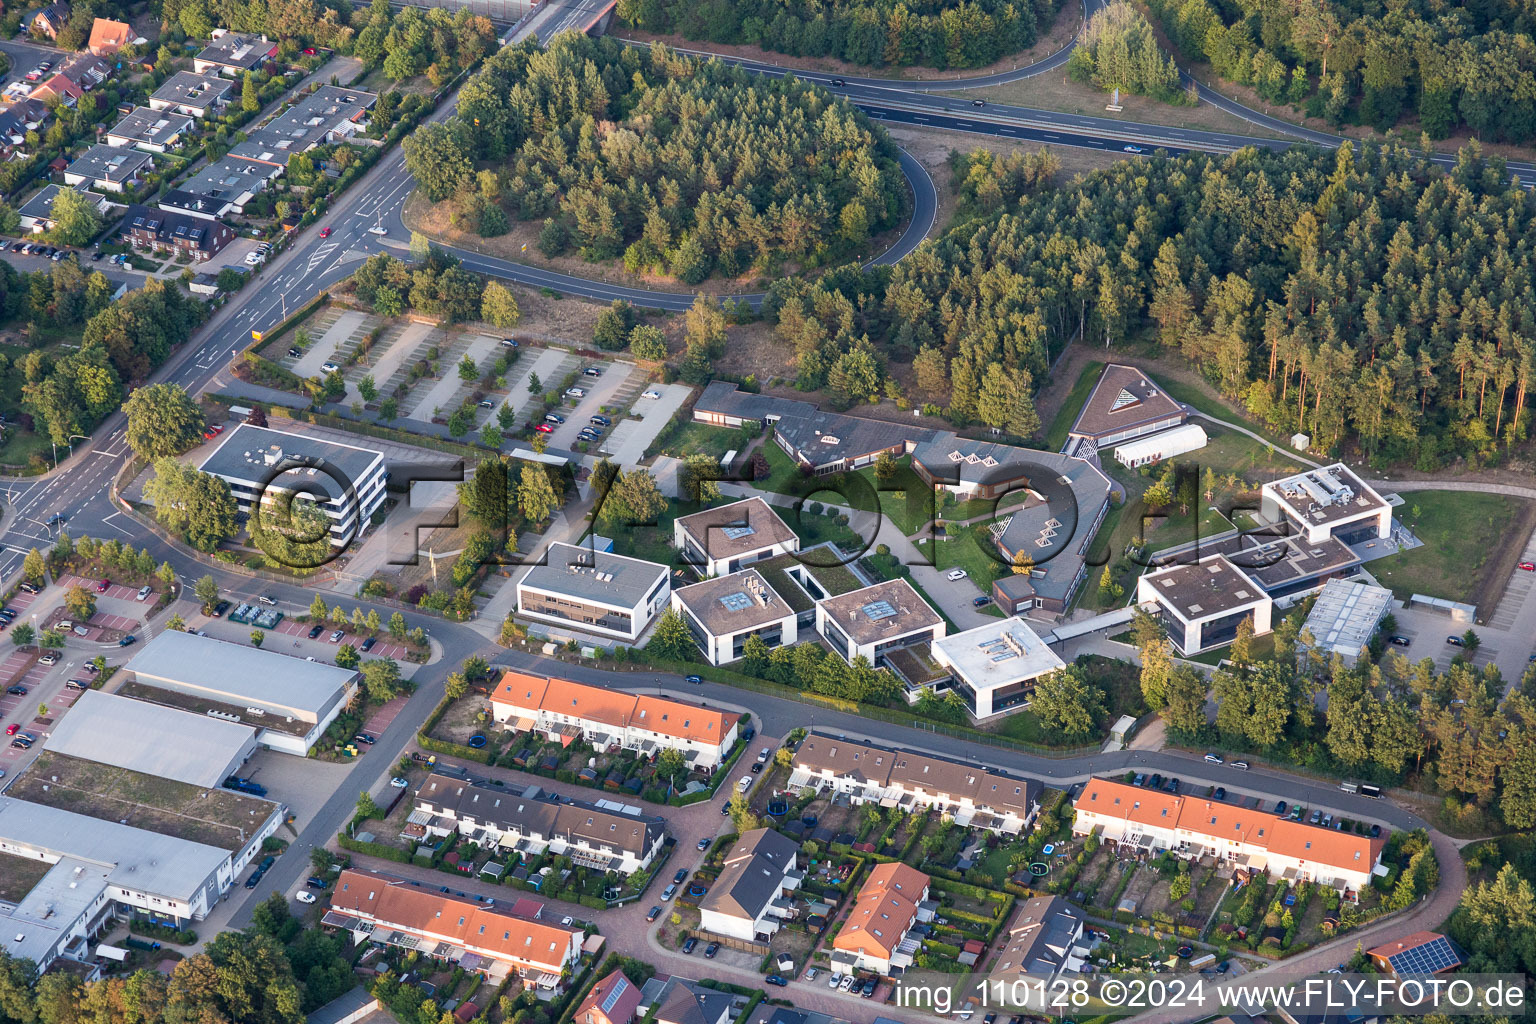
<point x="290" y="700"/>
<point x="152" y="738"/>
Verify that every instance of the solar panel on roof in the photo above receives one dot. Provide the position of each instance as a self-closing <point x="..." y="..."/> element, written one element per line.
<point x="1430" y="958"/>
<point x="877" y="610"/>
<point x="612" y="998"/>
<point x="736" y="602"/>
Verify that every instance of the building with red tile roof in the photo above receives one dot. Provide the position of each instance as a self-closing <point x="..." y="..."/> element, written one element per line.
<point x="874" y="936"/>
<point x="1194" y="827"/>
<point x="478" y="936"/>
<point x="565" y="710"/>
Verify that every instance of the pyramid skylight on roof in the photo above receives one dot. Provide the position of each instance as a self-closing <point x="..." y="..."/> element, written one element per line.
<point x="1124" y="400"/>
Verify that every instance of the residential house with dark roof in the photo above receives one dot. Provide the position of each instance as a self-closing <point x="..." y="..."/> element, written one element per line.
<point x="86" y="70"/>
<point x="220" y="189"/>
<point x="1043" y="939"/>
<point x="476" y="935"/>
<point x="605" y="836"/>
<point x="108" y="168"/>
<point x="749" y="900"/>
<point x="683" y="1002"/>
<point x="233" y="54"/>
<point x="326" y="115"/>
<point x="200" y="239"/>
<point x="195" y="95"/>
<point x="153" y="131"/>
<point x="973" y="795"/>
<point x="50" y="21"/>
<point x="17" y="120"/>
<point x="37" y="213"/>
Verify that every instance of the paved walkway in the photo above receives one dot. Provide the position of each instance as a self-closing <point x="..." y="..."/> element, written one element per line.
<point x="1289" y="453"/>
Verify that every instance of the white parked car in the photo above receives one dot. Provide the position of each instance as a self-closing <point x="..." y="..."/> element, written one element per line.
<point x="397" y="781"/>
<point x="745" y="783"/>
<point x="835" y="980"/>
<point x="846" y="983"/>
<point x="329" y="367"/>
<point x="956" y="574"/>
<point x="144" y="593"/>
<point x="653" y="393"/>
<point x="575" y="392"/>
<point x="304" y="897"/>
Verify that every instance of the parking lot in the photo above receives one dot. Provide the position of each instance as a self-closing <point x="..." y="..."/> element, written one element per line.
<point x="291" y="637"/>
<point x="603" y="391"/>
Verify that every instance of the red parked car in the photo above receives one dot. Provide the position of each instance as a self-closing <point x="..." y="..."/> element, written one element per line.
<point x="101" y="588"/>
<point x="1528" y="566"/>
<point x="544" y="428"/>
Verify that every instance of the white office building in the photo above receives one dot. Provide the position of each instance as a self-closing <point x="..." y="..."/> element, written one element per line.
<point x="594" y="592"/>
<point x="723" y="612"/>
<point x="1328" y="502"/>
<point x="1203" y="604"/>
<point x="995" y="666"/>
<point x="345" y="481"/>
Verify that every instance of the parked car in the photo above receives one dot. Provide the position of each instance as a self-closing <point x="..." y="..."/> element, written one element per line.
<point x="1241" y="766"/>
<point x="315" y="882"/>
<point x="315" y="631"/>
<point x="336" y="636"/>
<point x="50" y="658"/>
<point x="1281" y="807"/>
<point x="76" y="684"/>
<point x="144" y="592"/>
<point x="846" y="983"/>
<point x="509" y="342"/>
<point x="1375" y="831"/>
<point x="1140" y="779"/>
<point x="695" y="680"/>
<point x="982" y="601"/>
<point x="757" y="766"/>
<point x="653" y="393"/>
<point x="1212" y="759"/>
<point x="1455" y="641"/>
<point x="368" y="644"/>
<point x="544" y="428"/>
<point x="1528" y="566"/>
<point x="399" y="783"/>
<point x="574" y="392"/>
<point x="810" y="973"/>
<point x="1317" y="816"/>
<point x="102" y="585"/>
<point x="554" y="419"/>
<point x="668" y="893"/>
<point x="17" y="691"/>
<point x="591" y="371"/>
<point x="703" y="845"/>
<point x="304" y="897"/>
<point x="21" y="744"/>
<point x="601" y="421"/>
<point x="710" y="950"/>
<point x="744" y="783"/>
<point x="653" y="913"/>
<point x="1219" y="793"/>
<point x="689" y="943"/>
<point x="364" y="737"/>
<point x="774" y="979"/>
<point x="128" y="641"/>
<point x="12" y="729"/>
<point x="329" y="367"/>
<point x="681" y="874"/>
<point x="1400" y="641"/>
<point x="956" y="574"/>
<point x="835" y="980"/>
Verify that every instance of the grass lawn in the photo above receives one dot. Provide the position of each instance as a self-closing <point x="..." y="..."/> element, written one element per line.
<point x="972" y="551"/>
<point x="695" y="438"/>
<point x="1468" y="544"/>
<point x="1238" y="462"/>
<point x="18" y="875"/>
<point x="1263" y="648"/>
<point x="1061" y="423"/>
<point x="785" y="477"/>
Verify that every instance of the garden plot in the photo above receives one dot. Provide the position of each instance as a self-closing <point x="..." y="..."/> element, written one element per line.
<point x="349" y="326"/>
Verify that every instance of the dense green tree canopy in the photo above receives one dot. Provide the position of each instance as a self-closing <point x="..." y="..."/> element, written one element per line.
<point x="690" y="168"/>
<point x="934" y="33"/>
